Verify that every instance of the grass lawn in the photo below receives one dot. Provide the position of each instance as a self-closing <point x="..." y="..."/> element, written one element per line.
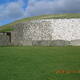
<point x="39" y="63"/>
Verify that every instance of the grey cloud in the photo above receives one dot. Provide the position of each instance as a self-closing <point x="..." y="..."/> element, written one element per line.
<point x="37" y="7"/>
<point x="12" y="10"/>
<point x="15" y="10"/>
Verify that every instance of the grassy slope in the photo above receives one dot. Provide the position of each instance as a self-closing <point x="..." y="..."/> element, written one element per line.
<point x="39" y="63"/>
<point x="7" y="27"/>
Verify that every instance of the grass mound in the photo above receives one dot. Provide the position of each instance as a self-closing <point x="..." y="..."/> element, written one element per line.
<point x="7" y="27"/>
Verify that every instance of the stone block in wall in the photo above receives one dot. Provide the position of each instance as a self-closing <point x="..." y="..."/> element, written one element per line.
<point x="51" y="43"/>
<point x="75" y="42"/>
<point x="27" y="43"/>
<point x="17" y="35"/>
<point x="41" y="43"/>
<point x="59" y="43"/>
<point x="67" y="43"/>
<point x="4" y="39"/>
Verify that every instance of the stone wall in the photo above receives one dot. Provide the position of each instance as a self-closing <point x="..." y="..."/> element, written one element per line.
<point x="75" y="42"/>
<point x="66" y="29"/>
<point x="37" y="30"/>
<point x="52" y="29"/>
<point x="17" y="34"/>
<point x="57" y="30"/>
<point x="50" y="43"/>
<point x="46" y="32"/>
<point x="4" y="39"/>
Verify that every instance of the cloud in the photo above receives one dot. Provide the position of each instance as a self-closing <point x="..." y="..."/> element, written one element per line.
<point x="16" y="10"/>
<point x="39" y="7"/>
<point x="12" y="10"/>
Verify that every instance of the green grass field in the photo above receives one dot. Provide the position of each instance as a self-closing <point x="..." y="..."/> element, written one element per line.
<point x="39" y="63"/>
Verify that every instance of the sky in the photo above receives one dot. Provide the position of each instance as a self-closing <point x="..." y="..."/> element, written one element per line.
<point x="12" y="10"/>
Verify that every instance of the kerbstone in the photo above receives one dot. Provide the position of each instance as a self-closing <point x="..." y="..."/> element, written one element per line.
<point x="41" y="43"/>
<point x="75" y="42"/>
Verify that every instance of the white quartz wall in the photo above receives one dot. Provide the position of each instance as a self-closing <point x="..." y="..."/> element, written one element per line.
<point x="66" y="29"/>
<point x="52" y="29"/>
<point x="38" y="30"/>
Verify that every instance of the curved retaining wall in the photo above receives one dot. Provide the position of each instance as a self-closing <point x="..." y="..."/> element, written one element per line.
<point x="52" y="29"/>
<point x="46" y="32"/>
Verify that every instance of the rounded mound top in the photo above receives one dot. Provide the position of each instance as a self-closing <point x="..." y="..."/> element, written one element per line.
<point x="7" y="28"/>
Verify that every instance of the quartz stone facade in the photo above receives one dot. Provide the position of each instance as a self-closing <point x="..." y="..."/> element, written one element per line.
<point x="52" y="29"/>
<point x="47" y="32"/>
